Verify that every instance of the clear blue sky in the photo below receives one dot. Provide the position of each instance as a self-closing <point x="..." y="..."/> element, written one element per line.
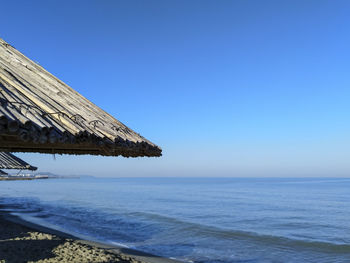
<point x="226" y="88"/>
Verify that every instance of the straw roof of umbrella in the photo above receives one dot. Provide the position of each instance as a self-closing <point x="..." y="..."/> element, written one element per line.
<point x="9" y="161"/>
<point x="40" y="113"/>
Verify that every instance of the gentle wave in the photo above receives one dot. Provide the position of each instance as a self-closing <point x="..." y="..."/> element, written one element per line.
<point x="210" y="231"/>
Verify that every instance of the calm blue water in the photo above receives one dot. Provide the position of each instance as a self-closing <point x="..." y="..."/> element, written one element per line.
<point x="200" y="220"/>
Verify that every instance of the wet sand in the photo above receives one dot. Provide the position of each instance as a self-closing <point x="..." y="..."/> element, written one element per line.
<point x="21" y="241"/>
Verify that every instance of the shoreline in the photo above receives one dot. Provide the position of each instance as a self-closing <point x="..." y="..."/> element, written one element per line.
<point x="29" y="242"/>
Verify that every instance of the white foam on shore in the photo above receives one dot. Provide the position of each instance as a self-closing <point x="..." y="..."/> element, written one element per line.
<point x="116" y="244"/>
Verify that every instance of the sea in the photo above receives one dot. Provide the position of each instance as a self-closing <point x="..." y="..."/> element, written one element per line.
<point x="201" y="220"/>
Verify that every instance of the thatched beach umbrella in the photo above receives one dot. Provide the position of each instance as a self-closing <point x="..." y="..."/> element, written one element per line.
<point x="40" y="113"/>
<point x="9" y="161"/>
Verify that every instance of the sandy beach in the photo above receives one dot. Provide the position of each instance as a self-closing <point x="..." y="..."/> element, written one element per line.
<point x="21" y="241"/>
